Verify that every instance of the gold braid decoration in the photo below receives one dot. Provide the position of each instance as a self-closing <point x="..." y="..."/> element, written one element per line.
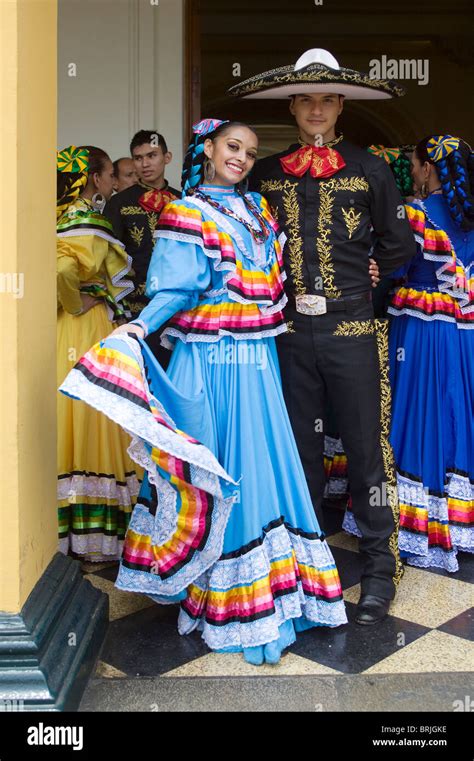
<point x="380" y="329"/>
<point x="355" y="328"/>
<point x="323" y="243"/>
<point x="152" y="221"/>
<point x="387" y="452"/>
<point x="352" y="219"/>
<point x="327" y="189"/>
<point x="132" y="210"/>
<point x="287" y="75"/>
<point x="295" y="243"/>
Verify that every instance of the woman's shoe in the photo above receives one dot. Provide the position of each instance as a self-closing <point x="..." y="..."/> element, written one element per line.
<point x="254" y="655"/>
<point x="272" y="652"/>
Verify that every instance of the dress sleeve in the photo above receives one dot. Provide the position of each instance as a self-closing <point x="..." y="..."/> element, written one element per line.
<point x="394" y="242"/>
<point x="178" y="273"/>
<point x="79" y="258"/>
<point x="68" y="280"/>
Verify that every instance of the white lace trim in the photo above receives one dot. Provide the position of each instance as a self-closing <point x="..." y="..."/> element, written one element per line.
<point x="445" y="280"/>
<point x="253" y="565"/>
<point x="142" y="522"/>
<point x="429" y="317"/>
<point x="196" y="338"/>
<point x="166" y="517"/>
<point x="119" y="282"/>
<point x="349" y="524"/>
<point x="95" y="547"/>
<point x="73" y="488"/>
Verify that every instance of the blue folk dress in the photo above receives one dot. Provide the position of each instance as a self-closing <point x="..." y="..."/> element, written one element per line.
<point x="224" y="522"/>
<point x="431" y="351"/>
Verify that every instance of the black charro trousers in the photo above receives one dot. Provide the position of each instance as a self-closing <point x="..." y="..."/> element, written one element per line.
<point x="344" y="355"/>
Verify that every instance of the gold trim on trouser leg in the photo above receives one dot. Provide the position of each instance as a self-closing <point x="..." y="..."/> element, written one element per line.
<point x="387" y="452"/>
<point x="379" y="328"/>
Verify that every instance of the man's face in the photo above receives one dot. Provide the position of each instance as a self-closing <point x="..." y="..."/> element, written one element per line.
<point x="150" y="162"/>
<point x="316" y="114"/>
<point x="127" y="175"/>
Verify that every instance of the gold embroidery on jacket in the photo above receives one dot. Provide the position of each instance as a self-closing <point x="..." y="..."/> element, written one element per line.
<point x="327" y="189"/>
<point x="352" y="220"/>
<point x="295" y="243"/>
<point x="137" y="234"/>
<point x="128" y="210"/>
<point x="152" y="221"/>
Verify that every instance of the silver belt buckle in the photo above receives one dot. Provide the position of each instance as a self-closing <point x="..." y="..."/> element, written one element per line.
<point x="311" y="303"/>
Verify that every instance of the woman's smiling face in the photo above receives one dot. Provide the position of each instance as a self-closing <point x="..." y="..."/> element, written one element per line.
<point x="233" y="154"/>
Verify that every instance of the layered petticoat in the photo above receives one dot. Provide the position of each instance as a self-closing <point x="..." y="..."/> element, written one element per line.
<point x="225" y="526"/>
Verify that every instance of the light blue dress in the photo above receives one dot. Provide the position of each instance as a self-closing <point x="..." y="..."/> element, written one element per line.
<point x="274" y="573"/>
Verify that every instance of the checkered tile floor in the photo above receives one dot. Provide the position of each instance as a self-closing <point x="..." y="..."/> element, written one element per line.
<point x="430" y="629"/>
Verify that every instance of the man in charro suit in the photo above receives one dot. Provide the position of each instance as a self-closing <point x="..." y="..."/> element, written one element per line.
<point x="338" y="204"/>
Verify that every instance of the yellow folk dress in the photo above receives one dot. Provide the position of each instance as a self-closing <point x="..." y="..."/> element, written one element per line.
<point x="98" y="483"/>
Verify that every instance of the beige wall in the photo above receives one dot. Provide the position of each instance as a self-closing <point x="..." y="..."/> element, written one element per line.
<point x="28" y="517"/>
<point x="129" y="74"/>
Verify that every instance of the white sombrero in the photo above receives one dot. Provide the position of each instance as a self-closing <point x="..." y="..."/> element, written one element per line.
<point x="316" y="71"/>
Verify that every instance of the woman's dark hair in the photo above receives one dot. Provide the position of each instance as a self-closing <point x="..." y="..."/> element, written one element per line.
<point x="456" y="174"/>
<point x="70" y="184"/>
<point x="192" y="174"/>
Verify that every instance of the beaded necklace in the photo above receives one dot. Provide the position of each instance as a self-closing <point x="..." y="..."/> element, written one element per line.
<point x="258" y="235"/>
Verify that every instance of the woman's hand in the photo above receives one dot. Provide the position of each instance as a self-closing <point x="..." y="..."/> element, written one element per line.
<point x="374" y="273"/>
<point x="89" y="302"/>
<point x="128" y="328"/>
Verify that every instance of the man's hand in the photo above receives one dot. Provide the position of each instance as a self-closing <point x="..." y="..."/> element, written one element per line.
<point x="374" y="273"/>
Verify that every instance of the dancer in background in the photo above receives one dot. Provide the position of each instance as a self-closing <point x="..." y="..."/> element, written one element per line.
<point x="247" y="562"/>
<point x="134" y="214"/>
<point x="125" y="174"/>
<point x="97" y="481"/>
<point x="432" y="361"/>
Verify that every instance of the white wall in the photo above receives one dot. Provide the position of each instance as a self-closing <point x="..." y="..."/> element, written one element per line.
<point x="129" y="74"/>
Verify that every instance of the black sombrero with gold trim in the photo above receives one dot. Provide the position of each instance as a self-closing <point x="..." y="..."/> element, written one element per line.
<point x="316" y="71"/>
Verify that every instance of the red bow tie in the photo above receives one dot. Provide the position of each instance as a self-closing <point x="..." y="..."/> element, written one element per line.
<point x="155" y="200"/>
<point x="321" y="161"/>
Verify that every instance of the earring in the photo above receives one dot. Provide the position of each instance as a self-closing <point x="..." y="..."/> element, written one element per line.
<point x="423" y="191"/>
<point x="98" y="202"/>
<point x="209" y="170"/>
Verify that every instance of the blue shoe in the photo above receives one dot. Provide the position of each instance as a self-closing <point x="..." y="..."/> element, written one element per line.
<point x="254" y="655"/>
<point x="272" y="652"/>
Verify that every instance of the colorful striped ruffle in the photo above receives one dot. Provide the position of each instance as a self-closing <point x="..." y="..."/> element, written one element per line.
<point x="436" y="246"/>
<point x="182" y="221"/>
<point x="176" y="544"/>
<point x="433" y="527"/>
<point x="428" y="305"/>
<point x="94" y="510"/>
<point x="286" y="574"/>
<point x="208" y="322"/>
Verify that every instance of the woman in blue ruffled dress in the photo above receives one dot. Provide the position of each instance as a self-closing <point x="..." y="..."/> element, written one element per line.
<point x="431" y="345"/>
<point x="224" y="523"/>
